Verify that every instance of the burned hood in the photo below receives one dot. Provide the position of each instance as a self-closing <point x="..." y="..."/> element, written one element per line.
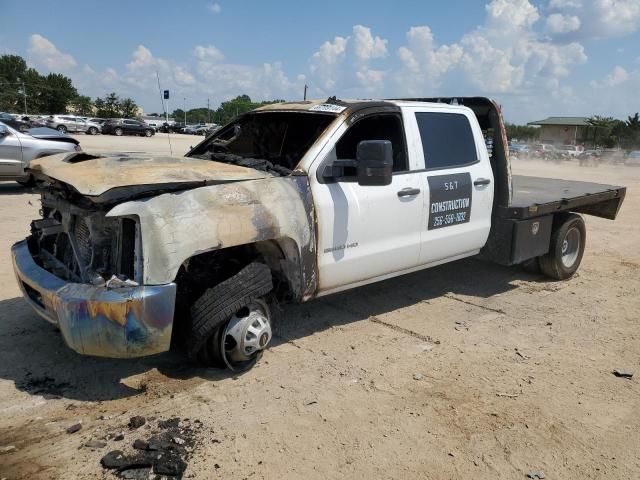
<point x="95" y="175"/>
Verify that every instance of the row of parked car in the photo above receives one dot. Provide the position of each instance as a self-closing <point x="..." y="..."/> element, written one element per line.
<point x="586" y="157"/>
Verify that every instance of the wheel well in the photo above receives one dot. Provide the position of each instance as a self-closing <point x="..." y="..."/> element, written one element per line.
<point x="205" y="270"/>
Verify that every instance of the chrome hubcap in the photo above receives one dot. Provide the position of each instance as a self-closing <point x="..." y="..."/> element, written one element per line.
<point x="246" y="334"/>
<point x="570" y="247"/>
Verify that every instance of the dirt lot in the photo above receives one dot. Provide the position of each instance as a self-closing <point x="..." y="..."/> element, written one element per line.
<point x="468" y="370"/>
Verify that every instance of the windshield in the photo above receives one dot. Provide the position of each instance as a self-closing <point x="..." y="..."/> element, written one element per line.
<point x="270" y="141"/>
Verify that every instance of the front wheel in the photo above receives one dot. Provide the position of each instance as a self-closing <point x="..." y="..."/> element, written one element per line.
<point x="566" y="249"/>
<point x="62" y="129"/>
<point x="148" y="133"/>
<point x="118" y="132"/>
<point x="93" y="131"/>
<point x="231" y="322"/>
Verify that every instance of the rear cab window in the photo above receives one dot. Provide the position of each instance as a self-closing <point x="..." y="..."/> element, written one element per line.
<point x="447" y="140"/>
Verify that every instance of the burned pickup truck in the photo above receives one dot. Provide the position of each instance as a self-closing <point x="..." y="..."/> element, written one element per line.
<point x="286" y="203"/>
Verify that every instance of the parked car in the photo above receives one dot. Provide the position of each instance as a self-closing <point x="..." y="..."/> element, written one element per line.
<point x="545" y="151"/>
<point x="171" y="127"/>
<point x="17" y="149"/>
<point x="518" y="150"/>
<point x="633" y="159"/>
<point x="71" y="123"/>
<point x="98" y="121"/>
<point x="126" y="126"/>
<point x="589" y="158"/>
<point x="13" y="122"/>
<point x="570" y="151"/>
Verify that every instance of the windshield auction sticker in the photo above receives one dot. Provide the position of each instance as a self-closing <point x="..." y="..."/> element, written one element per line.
<point x="328" y="107"/>
<point x="449" y="200"/>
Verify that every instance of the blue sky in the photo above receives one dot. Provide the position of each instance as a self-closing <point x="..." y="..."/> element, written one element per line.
<point x="537" y="58"/>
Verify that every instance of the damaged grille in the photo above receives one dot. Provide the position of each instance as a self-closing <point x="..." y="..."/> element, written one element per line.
<point x="83" y="245"/>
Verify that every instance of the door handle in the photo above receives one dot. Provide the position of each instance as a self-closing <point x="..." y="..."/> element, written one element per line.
<point x="481" y="181"/>
<point x="408" y="192"/>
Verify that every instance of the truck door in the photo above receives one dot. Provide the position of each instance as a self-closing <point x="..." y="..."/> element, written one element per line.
<point x="367" y="231"/>
<point x="10" y="154"/>
<point x="458" y="183"/>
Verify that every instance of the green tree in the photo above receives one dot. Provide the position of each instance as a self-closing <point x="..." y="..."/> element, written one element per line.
<point x="82" y="105"/>
<point x="109" y="106"/>
<point x="57" y="93"/>
<point x="601" y="130"/>
<point x="128" y="108"/>
<point x="521" y="132"/>
<point x="178" y="115"/>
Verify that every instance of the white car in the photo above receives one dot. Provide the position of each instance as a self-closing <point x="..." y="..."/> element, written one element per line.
<point x="17" y="149"/>
<point x="71" y="123"/>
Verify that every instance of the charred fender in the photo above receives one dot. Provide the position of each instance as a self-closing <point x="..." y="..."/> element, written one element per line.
<point x="177" y="226"/>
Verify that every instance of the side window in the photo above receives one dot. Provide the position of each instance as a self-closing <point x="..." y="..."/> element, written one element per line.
<point x="447" y="140"/>
<point x="376" y="127"/>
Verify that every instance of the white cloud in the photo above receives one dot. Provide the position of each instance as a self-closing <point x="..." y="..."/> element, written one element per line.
<point x="599" y="18"/>
<point x="44" y="53"/>
<point x="215" y="8"/>
<point x="367" y="46"/>
<point x="208" y="53"/>
<point x="618" y="75"/>
<point x="559" y="23"/>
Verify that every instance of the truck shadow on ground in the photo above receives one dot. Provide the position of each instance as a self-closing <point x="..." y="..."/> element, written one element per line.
<point x="37" y="360"/>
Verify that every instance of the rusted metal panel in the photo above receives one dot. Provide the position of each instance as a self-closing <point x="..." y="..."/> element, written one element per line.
<point x="118" y="323"/>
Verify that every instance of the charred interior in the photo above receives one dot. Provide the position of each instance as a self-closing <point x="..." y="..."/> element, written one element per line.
<point x="270" y="141"/>
<point x="81" y="244"/>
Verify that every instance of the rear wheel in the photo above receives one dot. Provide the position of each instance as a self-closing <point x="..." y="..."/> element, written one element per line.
<point x="118" y="131"/>
<point x="231" y="322"/>
<point x="93" y="131"/>
<point x="148" y="133"/>
<point x="62" y="129"/>
<point x="566" y="249"/>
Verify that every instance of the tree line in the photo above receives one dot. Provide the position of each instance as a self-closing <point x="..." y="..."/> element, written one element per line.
<point x="223" y="114"/>
<point x="24" y="89"/>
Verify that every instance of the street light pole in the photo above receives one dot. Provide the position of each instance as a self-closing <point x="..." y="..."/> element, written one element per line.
<point x="185" y="111"/>
<point x="208" y="112"/>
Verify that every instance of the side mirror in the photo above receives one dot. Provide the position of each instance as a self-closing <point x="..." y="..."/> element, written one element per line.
<point x="4" y="131"/>
<point x="374" y="159"/>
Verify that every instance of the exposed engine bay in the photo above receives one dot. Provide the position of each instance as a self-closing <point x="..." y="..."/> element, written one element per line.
<point x="81" y="244"/>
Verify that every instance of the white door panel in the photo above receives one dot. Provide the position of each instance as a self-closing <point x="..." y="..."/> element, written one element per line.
<point x="457" y="216"/>
<point x="365" y="232"/>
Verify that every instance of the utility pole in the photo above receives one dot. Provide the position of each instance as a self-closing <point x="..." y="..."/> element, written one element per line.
<point x="185" y="111"/>
<point x="208" y="112"/>
<point x="305" y="91"/>
<point x="24" y="93"/>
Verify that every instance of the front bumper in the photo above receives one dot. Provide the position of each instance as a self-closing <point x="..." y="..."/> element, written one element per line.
<point x="118" y="323"/>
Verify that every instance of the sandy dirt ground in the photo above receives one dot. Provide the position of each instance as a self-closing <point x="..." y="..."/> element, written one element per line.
<point x="468" y="370"/>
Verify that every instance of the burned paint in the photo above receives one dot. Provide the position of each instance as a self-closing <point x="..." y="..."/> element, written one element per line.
<point x="177" y="226"/>
<point x="122" y="322"/>
<point x="99" y="174"/>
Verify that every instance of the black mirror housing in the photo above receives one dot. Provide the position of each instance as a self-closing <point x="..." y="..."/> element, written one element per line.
<point x="374" y="160"/>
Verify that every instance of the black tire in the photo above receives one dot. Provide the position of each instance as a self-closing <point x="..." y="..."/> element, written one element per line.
<point x="61" y="129"/>
<point x="148" y="133"/>
<point x="211" y="311"/>
<point x="118" y="131"/>
<point x="559" y="264"/>
<point x="93" y="131"/>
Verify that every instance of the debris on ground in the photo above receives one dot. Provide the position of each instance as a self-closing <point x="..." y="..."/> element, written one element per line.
<point x="74" y="428"/>
<point x="536" y="475"/>
<point x="418" y="376"/>
<point x="164" y="453"/>
<point x="95" y="444"/>
<point x="137" y="422"/>
<point x="619" y="372"/>
<point x="7" y="449"/>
